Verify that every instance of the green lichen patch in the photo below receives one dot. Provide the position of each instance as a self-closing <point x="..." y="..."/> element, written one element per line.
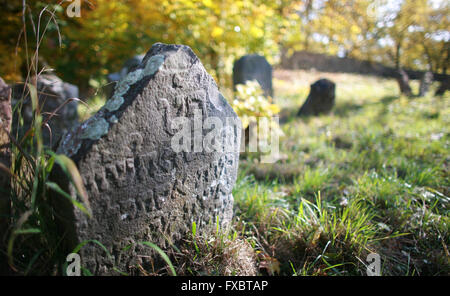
<point x="97" y="126"/>
<point x="113" y="119"/>
<point x="95" y="130"/>
<point x="153" y="64"/>
<point x="124" y="84"/>
<point x="71" y="143"/>
<point x="114" y="103"/>
<point x="134" y="76"/>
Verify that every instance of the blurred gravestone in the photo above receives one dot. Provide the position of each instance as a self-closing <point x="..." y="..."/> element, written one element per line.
<point x="403" y="82"/>
<point x="113" y="78"/>
<point x="321" y="98"/>
<point x="425" y="83"/>
<point x="53" y="95"/>
<point x="253" y="67"/>
<point x="443" y="87"/>
<point x="140" y="187"/>
<point x="5" y="162"/>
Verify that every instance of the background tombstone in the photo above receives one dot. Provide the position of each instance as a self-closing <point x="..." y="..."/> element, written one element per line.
<point x="113" y="78"/>
<point x="140" y="188"/>
<point x="5" y="162"/>
<point x="321" y="98"/>
<point x="425" y="83"/>
<point x="403" y="83"/>
<point x="253" y="67"/>
<point x="443" y="87"/>
<point x="70" y="91"/>
<point x="53" y="93"/>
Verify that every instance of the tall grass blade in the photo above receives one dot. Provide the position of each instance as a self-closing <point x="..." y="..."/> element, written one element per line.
<point x="162" y="254"/>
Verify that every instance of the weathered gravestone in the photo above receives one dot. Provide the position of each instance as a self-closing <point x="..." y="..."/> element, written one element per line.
<point x="403" y="83"/>
<point x="425" y="83"/>
<point x="253" y="67"/>
<point x="53" y="95"/>
<point x="5" y="162"/>
<point x="141" y="187"/>
<point x="113" y="78"/>
<point x="321" y="98"/>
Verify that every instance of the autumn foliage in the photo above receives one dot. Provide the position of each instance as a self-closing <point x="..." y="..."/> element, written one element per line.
<point x="84" y="49"/>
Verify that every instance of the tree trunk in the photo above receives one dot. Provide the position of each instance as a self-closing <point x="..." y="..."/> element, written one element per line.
<point x="307" y="25"/>
<point x="397" y="56"/>
<point x="403" y="83"/>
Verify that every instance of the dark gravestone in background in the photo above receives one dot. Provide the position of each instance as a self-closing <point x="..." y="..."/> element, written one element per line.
<point x="321" y="98"/>
<point x="113" y="78"/>
<point x="425" y="83"/>
<point x="140" y="188"/>
<point x="53" y="93"/>
<point x="443" y="87"/>
<point x="403" y="83"/>
<point x="70" y="91"/>
<point x="253" y="67"/>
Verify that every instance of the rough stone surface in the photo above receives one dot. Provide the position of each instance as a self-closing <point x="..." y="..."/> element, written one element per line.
<point x="253" y="67"/>
<point x="403" y="83"/>
<point x="139" y="188"/>
<point x="425" y="83"/>
<point x="113" y="78"/>
<point x="321" y="98"/>
<point x="5" y="160"/>
<point x="52" y="94"/>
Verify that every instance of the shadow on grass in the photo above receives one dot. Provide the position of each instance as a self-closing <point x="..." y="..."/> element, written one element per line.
<point x="345" y="109"/>
<point x="284" y="173"/>
<point x="287" y="115"/>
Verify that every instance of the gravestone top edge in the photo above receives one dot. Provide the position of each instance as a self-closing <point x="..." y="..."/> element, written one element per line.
<point x="99" y="124"/>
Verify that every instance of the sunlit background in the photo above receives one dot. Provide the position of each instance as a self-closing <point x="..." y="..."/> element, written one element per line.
<point x="83" y="50"/>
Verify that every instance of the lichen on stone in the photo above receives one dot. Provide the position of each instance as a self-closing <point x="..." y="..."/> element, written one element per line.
<point x="95" y="130"/>
<point x="114" y="103"/>
<point x="131" y="78"/>
<point x="153" y="64"/>
<point x="97" y="126"/>
<point x="122" y="87"/>
<point x="134" y="76"/>
<point x="113" y="119"/>
<point x="70" y="143"/>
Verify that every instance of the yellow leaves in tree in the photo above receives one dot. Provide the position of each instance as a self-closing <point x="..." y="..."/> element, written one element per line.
<point x="251" y="106"/>
<point x="355" y="29"/>
<point x="256" y="32"/>
<point x="217" y="32"/>
<point x="250" y="102"/>
<point x="10" y="63"/>
<point x="109" y="31"/>
<point x="207" y="3"/>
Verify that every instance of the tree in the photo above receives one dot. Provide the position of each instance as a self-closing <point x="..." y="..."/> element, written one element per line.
<point x="84" y="49"/>
<point x="404" y="33"/>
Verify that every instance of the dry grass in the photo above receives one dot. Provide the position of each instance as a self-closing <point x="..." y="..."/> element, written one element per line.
<point x="212" y="254"/>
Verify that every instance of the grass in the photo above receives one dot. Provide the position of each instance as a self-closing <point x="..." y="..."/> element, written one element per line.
<point x="31" y="245"/>
<point x="215" y="252"/>
<point x="370" y="177"/>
